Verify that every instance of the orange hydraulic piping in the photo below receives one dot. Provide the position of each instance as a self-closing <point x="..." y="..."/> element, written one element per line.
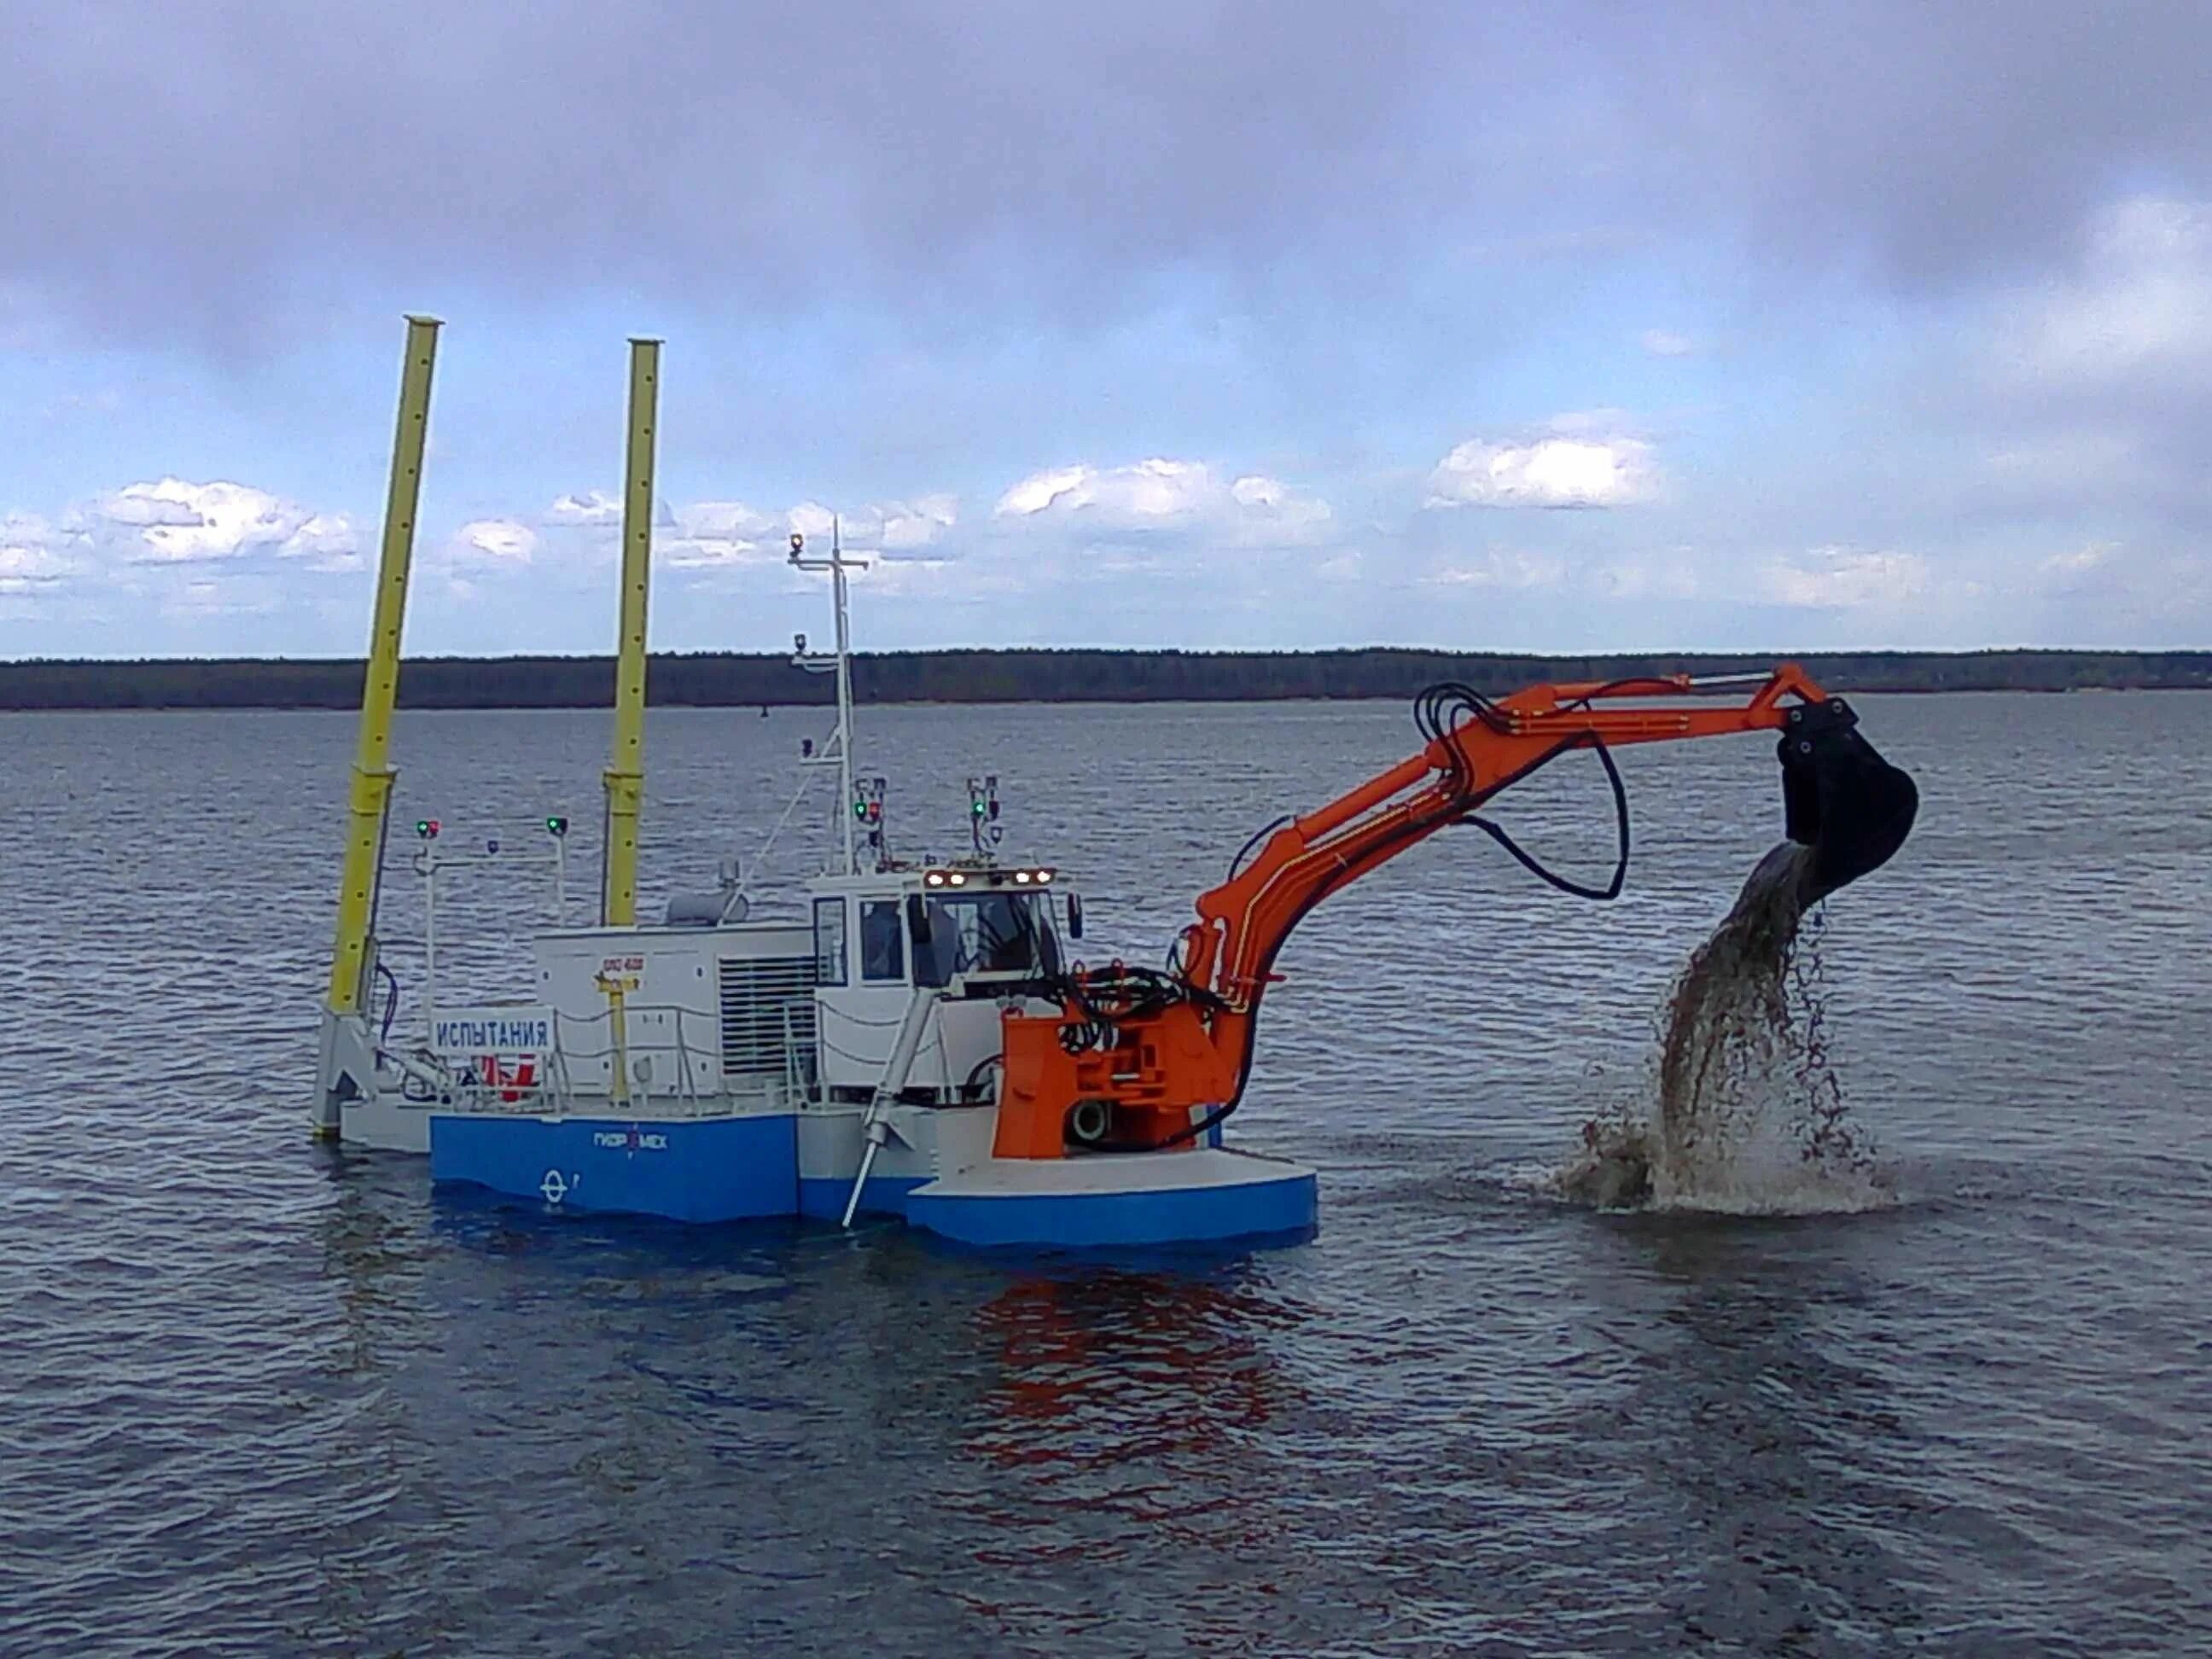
<point x="1373" y="792"/>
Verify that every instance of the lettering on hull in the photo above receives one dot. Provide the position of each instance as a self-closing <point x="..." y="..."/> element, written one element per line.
<point x="471" y="1032"/>
<point x="634" y="1140"/>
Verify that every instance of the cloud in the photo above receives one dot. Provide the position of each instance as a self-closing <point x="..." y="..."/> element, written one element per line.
<point x="493" y="542"/>
<point x="1054" y="530"/>
<point x="722" y="534"/>
<point x="1127" y="141"/>
<point x="932" y="578"/>
<point x="123" y="537"/>
<point x="1930" y="147"/>
<point x="1047" y="159"/>
<point x="703" y="535"/>
<point x="590" y="507"/>
<point x="1841" y="578"/>
<point x="327" y="541"/>
<point x="923" y="523"/>
<point x="184" y="551"/>
<point x="31" y="556"/>
<point x="1161" y="495"/>
<point x="1500" y="567"/>
<point x="2091" y="392"/>
<point x="889" y="528"/>
<point x="1961" y="274"/>
<point x="173" y="520"/>
<point x="1547" y="472"/>
<point x="709" y="533"/>
<point x="2077" y="562"/>
<point x="2140" y="303"/>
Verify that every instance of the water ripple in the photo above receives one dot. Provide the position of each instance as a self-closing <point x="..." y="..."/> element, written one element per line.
<point x="266" y="1398"/>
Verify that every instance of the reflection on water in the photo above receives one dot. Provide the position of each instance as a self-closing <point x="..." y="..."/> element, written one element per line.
<point x="268" y="1398"/>
<point x="1112" y="1370"/>
<point x="1786" y="1459"/>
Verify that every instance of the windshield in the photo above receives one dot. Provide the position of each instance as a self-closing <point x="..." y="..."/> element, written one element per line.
<point x="986" y="932"/>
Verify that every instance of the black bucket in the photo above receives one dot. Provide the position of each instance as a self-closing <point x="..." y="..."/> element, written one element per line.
<point x="1841" y="797"/>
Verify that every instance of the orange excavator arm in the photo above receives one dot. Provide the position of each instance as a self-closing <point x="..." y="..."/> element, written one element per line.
<point x="1134" y="1055"/>
<point x="1243" y="922"/>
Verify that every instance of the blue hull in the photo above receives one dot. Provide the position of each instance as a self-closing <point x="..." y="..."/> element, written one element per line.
<point x="1287" y="1208"/>
<point x="822" y="1197"/>
<point x="728" y="1168"/>
<point x="734" y="1168"/>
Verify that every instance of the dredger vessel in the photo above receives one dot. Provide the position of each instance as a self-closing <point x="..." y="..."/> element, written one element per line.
<point x="925" y="1043"/>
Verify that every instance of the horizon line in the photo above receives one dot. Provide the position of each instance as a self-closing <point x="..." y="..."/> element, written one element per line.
<point x="1769" y="656"/>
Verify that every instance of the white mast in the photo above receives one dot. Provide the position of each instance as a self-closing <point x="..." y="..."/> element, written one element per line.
<point x="842" y="663"/>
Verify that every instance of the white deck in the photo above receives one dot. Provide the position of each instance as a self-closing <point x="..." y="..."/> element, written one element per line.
<point x="1103" y="1174"/>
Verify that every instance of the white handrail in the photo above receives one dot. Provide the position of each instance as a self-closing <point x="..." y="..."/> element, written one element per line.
<point x="557" y="1079"/>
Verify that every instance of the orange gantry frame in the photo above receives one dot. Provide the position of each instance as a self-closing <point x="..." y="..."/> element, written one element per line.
<point x="1157" y="1068"/>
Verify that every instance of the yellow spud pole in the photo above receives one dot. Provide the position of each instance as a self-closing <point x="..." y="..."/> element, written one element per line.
<point x="625" y="775"/>
<point x="371" y="789"/>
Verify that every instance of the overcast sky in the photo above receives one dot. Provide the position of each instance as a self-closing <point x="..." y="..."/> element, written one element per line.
<point x="1495" y="326"/>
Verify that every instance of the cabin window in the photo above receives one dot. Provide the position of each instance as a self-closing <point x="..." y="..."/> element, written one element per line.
<point x="830" y="941"/>
<point x="986" y="932"/>
<point x="883" y="941"/>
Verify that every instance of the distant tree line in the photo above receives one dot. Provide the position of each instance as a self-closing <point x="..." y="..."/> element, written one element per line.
<point x="725" y="679"/>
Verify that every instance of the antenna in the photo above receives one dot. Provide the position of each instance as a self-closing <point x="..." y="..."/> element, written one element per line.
<point x="840" y="661"/>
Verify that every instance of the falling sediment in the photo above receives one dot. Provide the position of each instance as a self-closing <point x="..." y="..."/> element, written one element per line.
<point x="1748" y="1114"/>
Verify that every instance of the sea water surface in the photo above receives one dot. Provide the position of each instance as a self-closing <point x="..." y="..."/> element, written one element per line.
<point x="261" y="1396"/>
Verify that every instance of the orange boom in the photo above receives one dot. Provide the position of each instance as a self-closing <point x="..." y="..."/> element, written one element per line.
<point x="1139" y="1059"/>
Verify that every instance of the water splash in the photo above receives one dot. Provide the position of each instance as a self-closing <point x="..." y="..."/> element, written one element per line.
<point x="1750" y="1116"/>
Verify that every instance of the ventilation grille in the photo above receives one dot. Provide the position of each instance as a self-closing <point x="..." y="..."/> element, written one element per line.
<point x="755" y="993"/>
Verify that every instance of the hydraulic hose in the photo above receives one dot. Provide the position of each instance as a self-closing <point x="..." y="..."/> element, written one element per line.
<point x="1437" y="712"/>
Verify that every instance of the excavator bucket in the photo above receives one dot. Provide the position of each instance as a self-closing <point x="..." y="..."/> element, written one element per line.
<point x="1841" y="797"/>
